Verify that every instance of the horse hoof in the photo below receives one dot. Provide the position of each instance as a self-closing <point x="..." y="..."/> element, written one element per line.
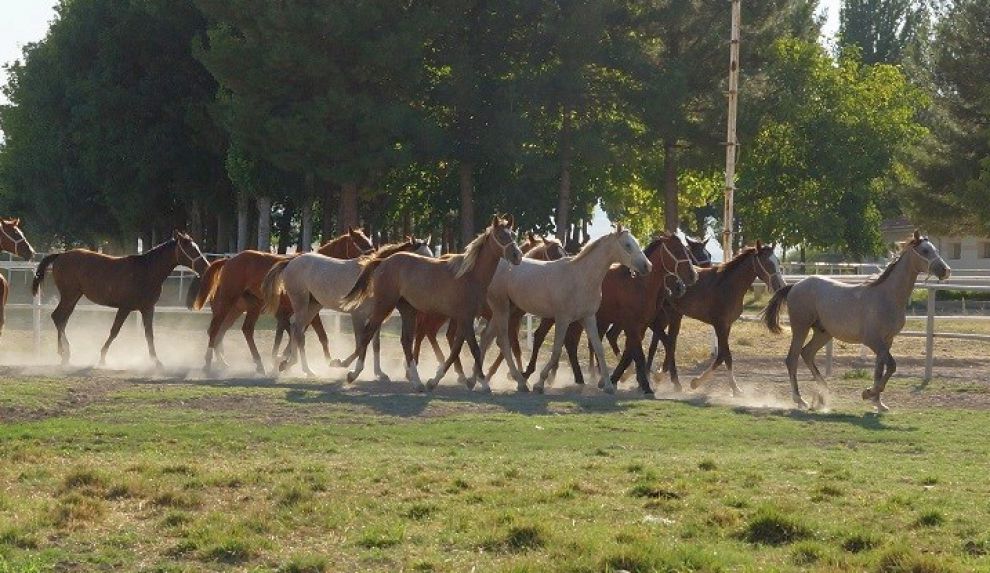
<point x="522" y="388"/>
<point x="484" y="388"/>
<point x="351" y="377"/>
<point x="538" y="388"/>
<point x="608" y="389"/>
<point x="868" y="394"/>
<point x="695" y="382"/>
<point x="432" y="384"/>
<point x="419" y="388"/>
<point x="800" y="403"/>
<point x="881" y="407"/>
<point x="384" y="379"/>
<point x="335" y="363"/>
<point x="647" y="392"/>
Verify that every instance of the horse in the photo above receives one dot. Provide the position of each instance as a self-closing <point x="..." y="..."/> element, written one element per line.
<point x="12" y="240"/>
<point x="312" y="282"/>
<point x="233" y="287"/>
<point x="567" y="290"/>
<point x="126" y="283"/>
<point x="871" y="314"/>
<point x="428" y="325"/>
<point x="454" y="287"/>
<point x="716" y="299"/>
<point x="630" y="303"/>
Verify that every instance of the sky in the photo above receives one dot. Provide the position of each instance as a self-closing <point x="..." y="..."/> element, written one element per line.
<point x="25" y="21"/>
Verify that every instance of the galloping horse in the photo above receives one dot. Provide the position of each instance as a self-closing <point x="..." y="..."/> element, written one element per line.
<point x="125" y="283"/>
<point x="630" y="303"/>
<point x="871" y="314"/>
<point x="717" y="299"/>
<point x="567" y="290"/>
<point x="428" y="325"/>
<point x="312" y="282"/>
<point x="12" y="240"/>
<point x="234" y="287"/>
<point x="454" y="287"/>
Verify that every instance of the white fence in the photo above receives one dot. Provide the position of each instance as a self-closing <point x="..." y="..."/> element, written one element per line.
<point x="966" y="283"/>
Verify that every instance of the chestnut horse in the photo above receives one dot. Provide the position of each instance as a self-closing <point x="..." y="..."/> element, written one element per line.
<point x="717" y="299"/>
<point x="233" y="286"/>
<point x="630" y="303"/>
<point x="12" y="240"/>
<point x="126" y="283"/>
<point x="428" y="325"/>
<point x="455" y="287"/>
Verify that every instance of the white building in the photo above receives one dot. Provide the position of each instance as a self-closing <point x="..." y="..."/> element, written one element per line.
<point x="962" y="253"/>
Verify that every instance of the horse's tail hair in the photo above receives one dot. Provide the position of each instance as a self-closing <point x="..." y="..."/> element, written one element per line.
<point x="39" y="275"/>
<point x="271" y="287"/>
<point x="771" y="314"/>
<point x="4" y="291"/>
<point x="207" y="286"/>
<point x="363" y="288"/>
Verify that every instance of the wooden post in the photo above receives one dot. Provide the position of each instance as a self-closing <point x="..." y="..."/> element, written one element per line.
<point x="930" y="336"/>
<point x="36" y="316"/>
<point x="730" y="140"/>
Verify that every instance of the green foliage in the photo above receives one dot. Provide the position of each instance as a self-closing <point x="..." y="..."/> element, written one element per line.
<point x="831" y="134"/>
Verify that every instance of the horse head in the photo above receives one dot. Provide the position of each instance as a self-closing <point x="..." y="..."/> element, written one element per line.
<point x="630" y="253"/>
<point x="187" y="252"/>
<point x="12" y="239"/>
<point x="767" y="266"/>
<point x="502" y="236"/>
<point x="927" y="259"/>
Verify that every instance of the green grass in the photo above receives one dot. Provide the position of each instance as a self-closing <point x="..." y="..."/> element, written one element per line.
<point x="300" y="477"/>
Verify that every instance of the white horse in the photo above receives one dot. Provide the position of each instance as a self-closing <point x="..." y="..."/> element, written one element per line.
<point x="870" y="314"/>
<point x="313" y="282"/>
<point x="566" y="290"/>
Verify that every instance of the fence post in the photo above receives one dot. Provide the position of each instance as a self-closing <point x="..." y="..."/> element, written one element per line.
<point x="36" y="323"/>
<point x="529" y="331"/>
<point x="930" y="335"/>
<point x="182" y="283"/>
<point x="828" y="359"/>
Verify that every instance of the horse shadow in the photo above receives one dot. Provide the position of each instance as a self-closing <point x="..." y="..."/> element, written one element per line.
<point x="868" y="420"/>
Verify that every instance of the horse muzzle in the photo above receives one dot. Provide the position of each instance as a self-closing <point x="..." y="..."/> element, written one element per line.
<point x="942" y="271"/>
<point x="679" y="289"/>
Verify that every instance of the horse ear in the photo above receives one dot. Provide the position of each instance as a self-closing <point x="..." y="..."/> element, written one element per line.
<point x="759" y="244"/>
<point x="494" y="220"/>
<point x="511" y="221"/>
<point x="428" y="239"/>
<point x="917" y="235"/>
<point x="175" y="234"/>
<point x="350" y="230"/>
<point x="16" y="221"/>
<point x="409" y="238"/>
<point x="531" y="236"/>
<point x="618" y="228"/>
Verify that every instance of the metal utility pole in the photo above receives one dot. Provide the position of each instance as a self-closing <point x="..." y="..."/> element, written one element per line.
<point x="730" y="141"/>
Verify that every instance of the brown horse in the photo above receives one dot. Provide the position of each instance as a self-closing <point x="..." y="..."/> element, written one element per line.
<point x="12" y="240"/>
<point x="630" y="303"/>
<point x="455" y="287"/>
<point x="125" y="283"/>
<point x="428" y="325"/>
<point x="233" y="287"/>
<point x="717" y="299"/>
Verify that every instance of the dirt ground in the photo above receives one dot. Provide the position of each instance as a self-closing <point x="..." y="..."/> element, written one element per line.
<point x="962" y="372"/>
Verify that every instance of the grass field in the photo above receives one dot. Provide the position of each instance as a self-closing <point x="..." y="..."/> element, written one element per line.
<point x="119" y="470"/>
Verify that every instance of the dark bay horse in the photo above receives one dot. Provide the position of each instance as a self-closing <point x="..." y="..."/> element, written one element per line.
<point x="631" y="302"/>
<point x="12" y="240"/>
<point x="454" y="287"/>
<point x="716" y="299"/>
<point x="871" y="313"/>
<point x="126" y="283"/>
<point x="233" y="287"/>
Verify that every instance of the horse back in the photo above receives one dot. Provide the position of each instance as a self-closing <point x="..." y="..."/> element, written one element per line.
<point x="120" y="282"/>
<point x="429" y="285"/>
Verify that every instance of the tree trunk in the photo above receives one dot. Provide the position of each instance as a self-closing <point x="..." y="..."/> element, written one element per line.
<point x="284" y="226"/>
<point x="264" y="223"/>
<point x="466" y="171"/>
<point x="196" y="221"/>
<point x="243" y="205"/>
<point x="670" y="215"/>
<point x="306" y="238"/>
<point x="326" y="225"/>
<point x="223" y="233"/>
<point x="564" y="193"/>
<point x="146" y="239"/>
<point x="348" y="209"/>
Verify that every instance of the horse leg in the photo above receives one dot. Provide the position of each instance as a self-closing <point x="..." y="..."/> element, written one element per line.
<point x="455" y="334"/>
<point x="479" y="376"/>
<point x="358" y="320"/>
<point x="515" y="325"/>
<point x="885" y="368"/>
<point x="376" y="348"/>
<point x="634" y="342"/>
<point x="799" y="332"/>
<point x="571" y="340"/>
<point x="408" y="315"/>
<point x="282" y="325"/>
<point x="247" y="329"/>
<point x="669" y="340"/>
<point x="300" y="320"/>
<point x="148" y="318"/>
<point x="222" y="319"/>
<point x="819" y="339"/>
<point x="591" y="327"/>
<point x="612" y="334"/>
<point x="379" y="313"/>
<point x="625" y="359"/>
<point x="538" y="337"/>
<point x="118" y="321"/>
<point x="720" y="357"/>
<point x="500" y="320"/>
<point x="453" y="329"/>
<point x="321" y="335"/>
<point x="60" y="316"/>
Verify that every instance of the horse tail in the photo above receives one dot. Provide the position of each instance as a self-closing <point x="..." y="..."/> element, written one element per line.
<point x="271" y="287"/>
<point x="771" y="314"/>
<point x="362" y="289"/>
<point x="39" y="275"/>
<point x="207" y="286"/>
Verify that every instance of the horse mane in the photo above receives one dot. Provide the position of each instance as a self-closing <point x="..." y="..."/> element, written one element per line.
<point x="386" y="251"/>
<point x="737" y="260"/>
<point x="590" y="247"/>
<point x="889" y="269"/>
<point x="464" y="262"/>
<point x="169" y="244"/>
<point x="655" y="244"/>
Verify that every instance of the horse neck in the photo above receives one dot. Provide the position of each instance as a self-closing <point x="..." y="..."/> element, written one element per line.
<point x="740" y="277"/>
<point x="900" y="284"/>
<point x="656" y="278"/>
<point x="596" y="262"/>
<point x="485" y="265"/>
<point x="163" y="261"/>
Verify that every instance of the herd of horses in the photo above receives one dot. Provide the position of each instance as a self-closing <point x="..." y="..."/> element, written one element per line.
<point x="612" y="287"/>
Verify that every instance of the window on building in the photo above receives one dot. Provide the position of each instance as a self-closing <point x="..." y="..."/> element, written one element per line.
<point x="985" y="250"/>
<point x="955" y="251"/>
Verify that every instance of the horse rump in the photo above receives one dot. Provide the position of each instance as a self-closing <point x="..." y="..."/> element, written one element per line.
<point x="201" y="290"/>
<point x="362" y="288"/>
<point x="771" y="314"/>
<point x="39" y="275"/>
<point x="271" y="286"/>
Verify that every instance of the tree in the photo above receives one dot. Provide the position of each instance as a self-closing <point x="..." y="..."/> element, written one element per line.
<point x="830" y="134"/>
<point x="106" y="134"/>
<point x="881" y="30"/>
